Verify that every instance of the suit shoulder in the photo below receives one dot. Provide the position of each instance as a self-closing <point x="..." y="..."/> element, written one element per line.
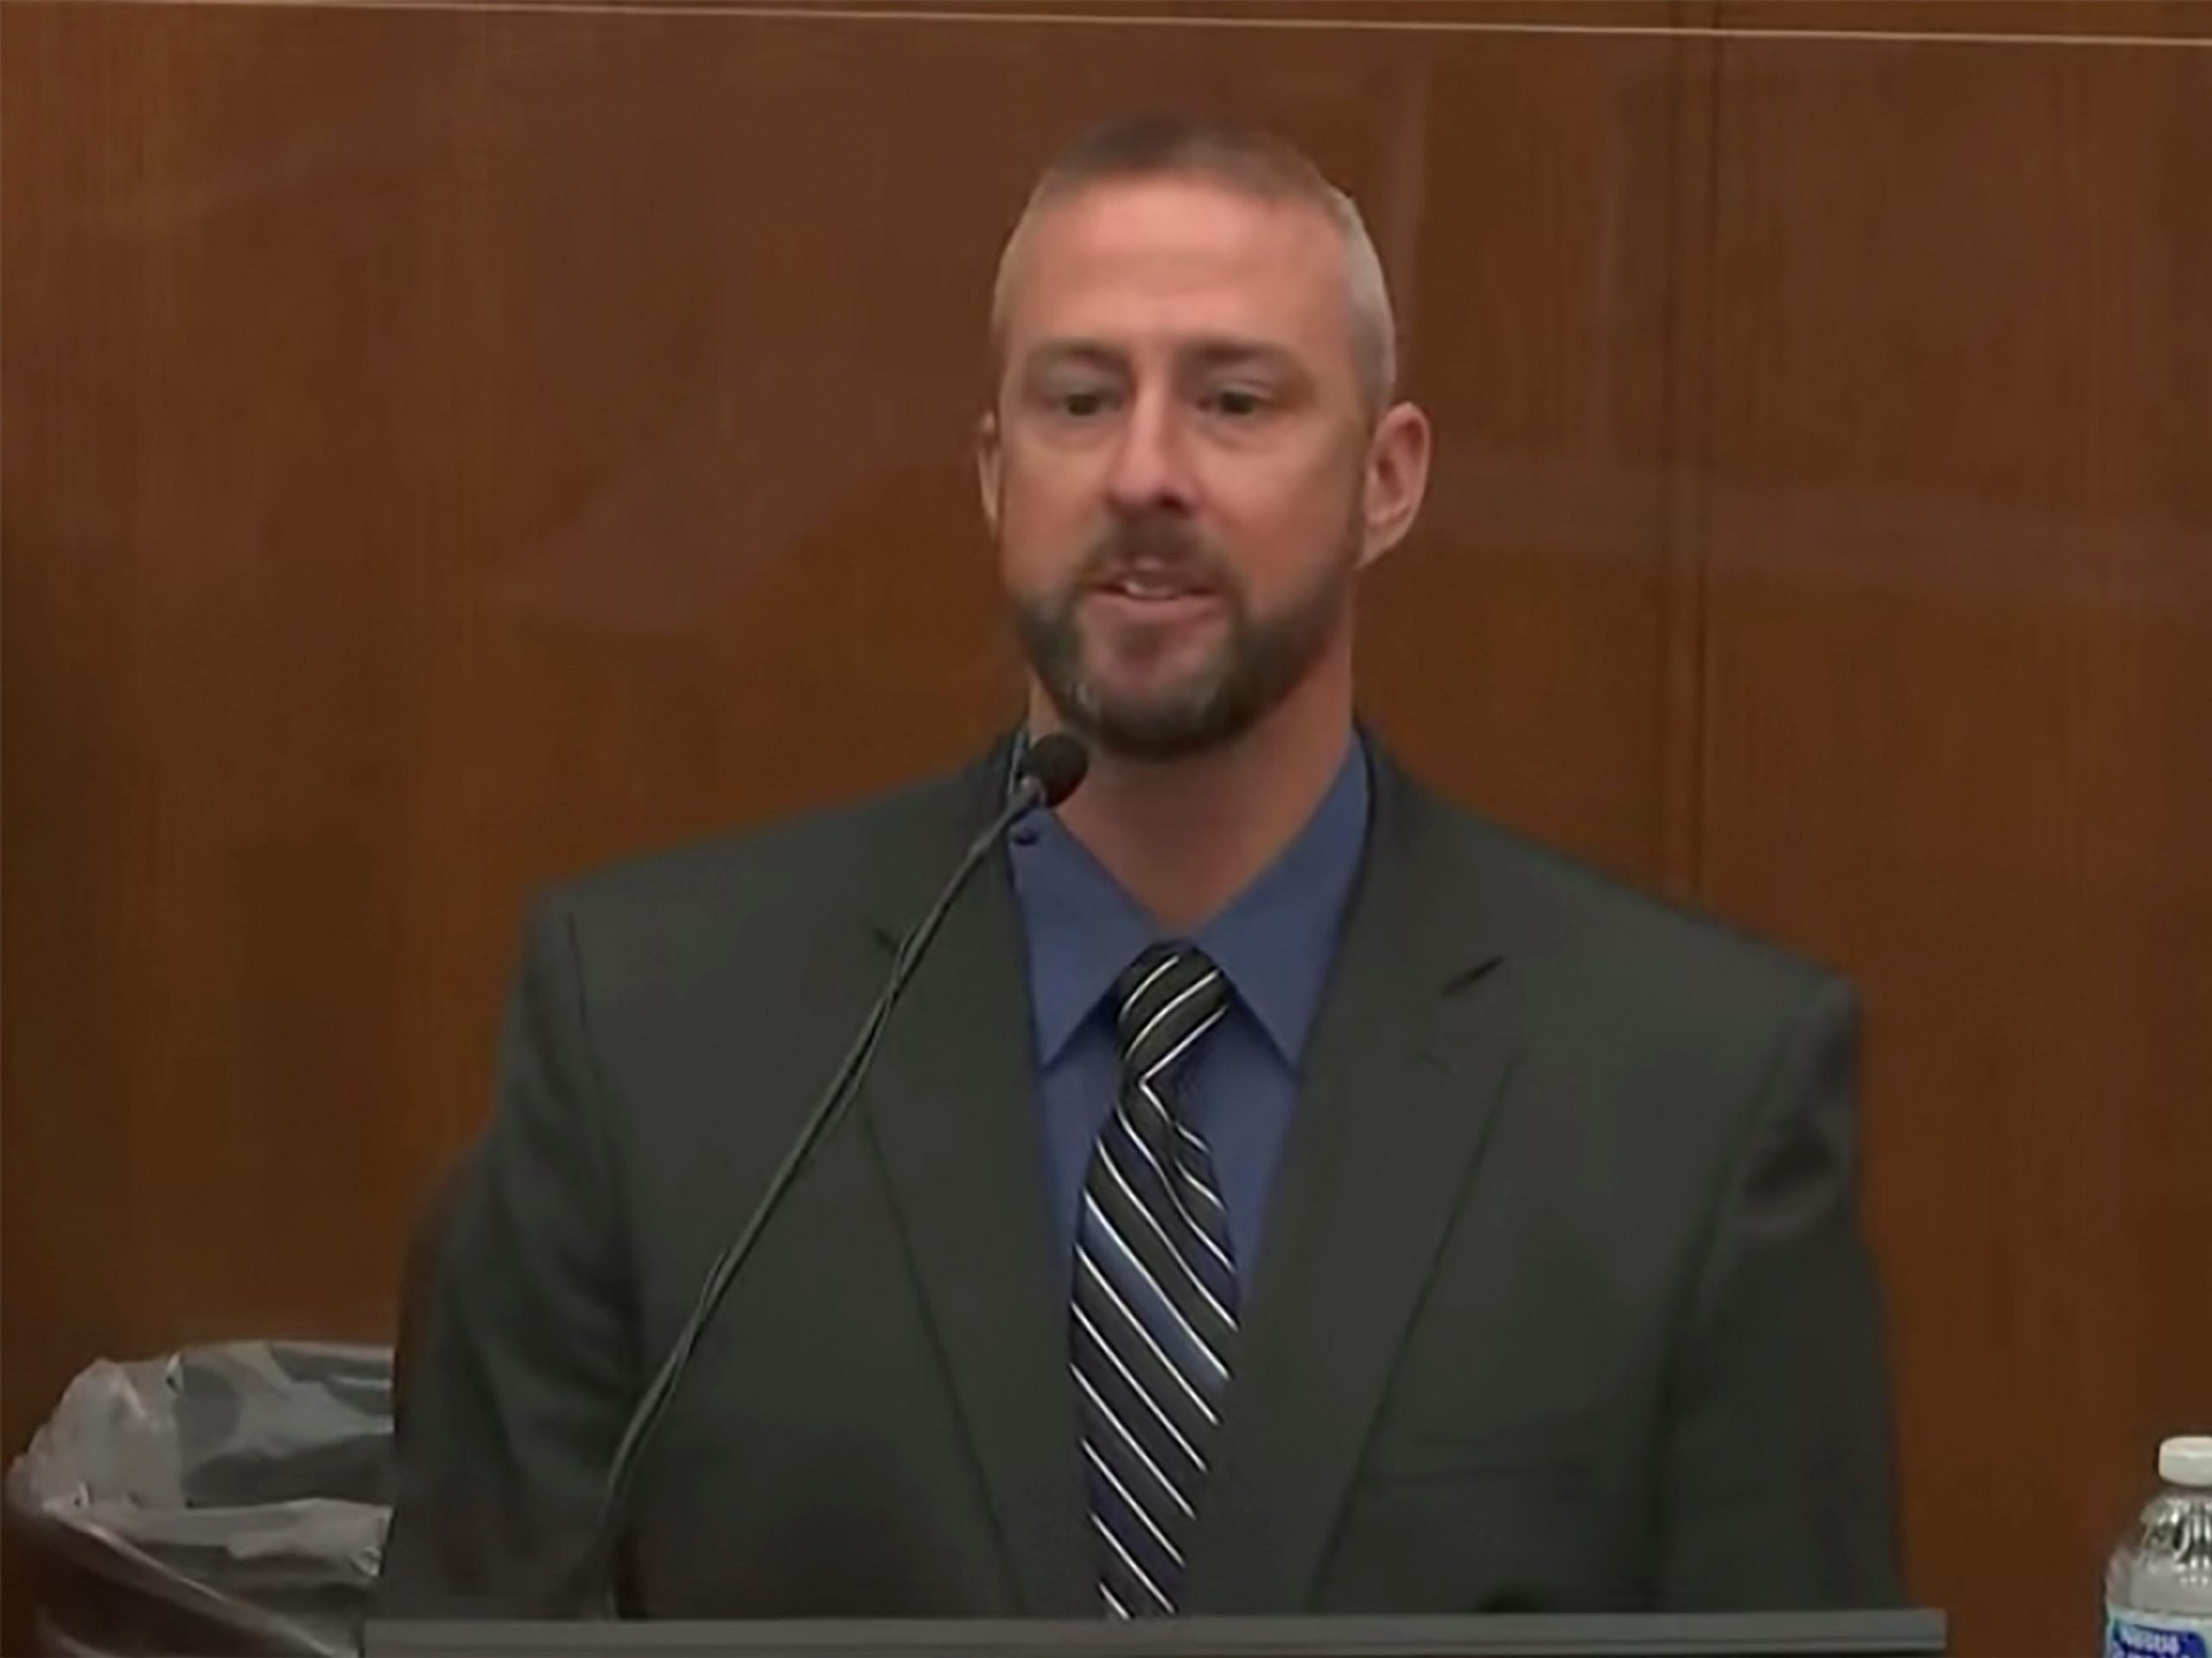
<point x="805" y="869"/>
<point x="1566" y="916"/>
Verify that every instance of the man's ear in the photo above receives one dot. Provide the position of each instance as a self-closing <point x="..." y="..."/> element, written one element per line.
<point x="987" y="465"/>
<point x="1396" y="479"/>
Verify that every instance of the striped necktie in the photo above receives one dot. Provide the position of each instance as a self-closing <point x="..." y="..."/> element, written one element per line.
<point x="1154" y="1315"/>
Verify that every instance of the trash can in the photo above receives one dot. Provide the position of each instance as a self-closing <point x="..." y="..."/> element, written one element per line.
<point x="224" y="1499"/>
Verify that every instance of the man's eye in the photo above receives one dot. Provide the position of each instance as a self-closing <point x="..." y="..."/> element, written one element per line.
<point x="1081" y="404"/>
<point x="1239" y="403"/>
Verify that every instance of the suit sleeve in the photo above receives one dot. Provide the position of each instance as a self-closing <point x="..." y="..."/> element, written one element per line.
<point x="524" y="1363"/>
<point x="1777" y="1481"/>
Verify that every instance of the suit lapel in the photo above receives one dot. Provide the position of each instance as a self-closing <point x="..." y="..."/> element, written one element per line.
<point x="950" y="1101"/>
<point x="1412" y="1048"/>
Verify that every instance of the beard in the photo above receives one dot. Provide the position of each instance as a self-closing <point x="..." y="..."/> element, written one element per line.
<point x="1257" y="662"/>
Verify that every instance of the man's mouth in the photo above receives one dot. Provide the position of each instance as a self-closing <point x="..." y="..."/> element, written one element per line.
<point x="1153" y="587"/>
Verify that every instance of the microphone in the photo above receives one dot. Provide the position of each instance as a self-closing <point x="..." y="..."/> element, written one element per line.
<point x="1049" y="772"/>
<point x="1058" y="764"/>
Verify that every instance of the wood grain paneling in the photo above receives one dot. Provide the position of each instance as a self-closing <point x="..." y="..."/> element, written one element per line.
<point x="445" y="450"/>
<point x="2065" y="23"/>
<point x="1959" y="684"/>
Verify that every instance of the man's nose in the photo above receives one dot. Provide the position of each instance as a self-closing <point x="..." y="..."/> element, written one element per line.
<point x="1152" y="469"/>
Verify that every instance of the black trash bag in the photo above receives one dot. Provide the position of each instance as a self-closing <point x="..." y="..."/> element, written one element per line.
<point x="224" y="1499"/>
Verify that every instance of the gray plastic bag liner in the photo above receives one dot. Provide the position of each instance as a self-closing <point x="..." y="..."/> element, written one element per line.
<point x="229" y="1498"/>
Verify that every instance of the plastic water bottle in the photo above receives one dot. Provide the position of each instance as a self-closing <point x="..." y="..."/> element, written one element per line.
<point x="2158" y="1587"/>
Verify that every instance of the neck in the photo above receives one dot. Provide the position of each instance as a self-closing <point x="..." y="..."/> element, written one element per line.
<point x="1185" y="837"/>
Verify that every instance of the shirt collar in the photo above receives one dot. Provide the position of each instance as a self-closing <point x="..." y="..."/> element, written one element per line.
<point x="1273" y="941"/>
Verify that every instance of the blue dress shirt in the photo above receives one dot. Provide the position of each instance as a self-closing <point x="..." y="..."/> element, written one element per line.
<point x="1273" y="943"/>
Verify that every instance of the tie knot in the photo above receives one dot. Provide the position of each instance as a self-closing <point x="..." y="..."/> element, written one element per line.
<point x="1170" y="996"/>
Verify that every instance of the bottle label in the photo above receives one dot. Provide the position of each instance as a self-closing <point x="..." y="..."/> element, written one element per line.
<point x="2147" y="1635"/>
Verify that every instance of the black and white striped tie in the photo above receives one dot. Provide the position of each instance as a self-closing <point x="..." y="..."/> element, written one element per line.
<point x="1154" y="1317"/>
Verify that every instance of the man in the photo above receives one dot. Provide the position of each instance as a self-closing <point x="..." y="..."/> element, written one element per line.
<point x="1276" y="1191"/>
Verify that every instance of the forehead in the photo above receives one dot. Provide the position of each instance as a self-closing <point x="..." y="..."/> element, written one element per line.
<point x="1156" y="259"/>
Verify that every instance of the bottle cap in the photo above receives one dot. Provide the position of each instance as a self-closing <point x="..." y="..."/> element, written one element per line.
<point x="2186" y="1461"/>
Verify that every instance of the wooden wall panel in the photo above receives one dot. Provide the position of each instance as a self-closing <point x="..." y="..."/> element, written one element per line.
<point x="445" y="449"/>
<point x="1958" y="693"/>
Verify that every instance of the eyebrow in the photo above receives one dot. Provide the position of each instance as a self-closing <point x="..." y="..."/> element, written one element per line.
<point x="1205" y="353"/>
<point x="1062" y="353"/>
<point x="1243" y="353"/>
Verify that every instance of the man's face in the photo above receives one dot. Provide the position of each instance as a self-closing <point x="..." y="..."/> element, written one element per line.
<point x="1178" y="465"/>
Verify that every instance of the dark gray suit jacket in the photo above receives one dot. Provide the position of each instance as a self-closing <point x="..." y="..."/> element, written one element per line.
<point x="1563" y="1304"/>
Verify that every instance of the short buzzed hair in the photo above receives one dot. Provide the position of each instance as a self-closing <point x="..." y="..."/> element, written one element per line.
<point x="1254" y="162"/>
